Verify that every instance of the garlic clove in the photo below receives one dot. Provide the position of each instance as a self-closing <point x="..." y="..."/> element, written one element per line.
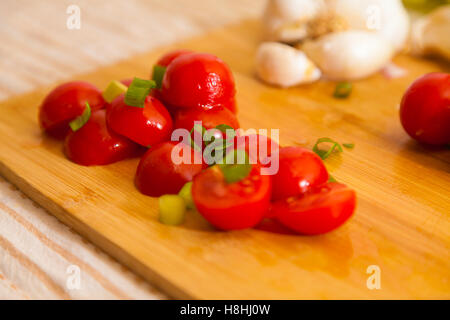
<point x="282" y="65"/>
<point x="349" y="55"/>
<point x="431" y="34"/>
<point x="388" y="17"/>
<point x="285" y="20"/>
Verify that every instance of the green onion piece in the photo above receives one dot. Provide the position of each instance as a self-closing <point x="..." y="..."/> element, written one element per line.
<point x="224" y="127"/>
<point x="200" y="130"/>
<point x="325" y="154"/>
<point x="171" y="209"/>
<point x="349" y="145"/>
<point x="343" y="90"/>
<point x="331" y="179"/>
<point x="186" y="194"/>
<point x="158" y="75"/>
<point x="80" y="121"/>
<point x="236" y="166"/>
<point x="138" y="90"/>
<point x="113" y="90"/>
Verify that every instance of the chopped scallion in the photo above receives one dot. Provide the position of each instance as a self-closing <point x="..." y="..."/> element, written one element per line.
<point x="80" y="121"/>
<point x="325" y="154"/>
<point x="158" y="75"/>
<point x="171" y="209"/>
<point x="113" y="90"/>
<point x="236" y="166"/>
<point x="343" y="90"/>
<point x="138" y="91"/>
<point x="186" y="194"/>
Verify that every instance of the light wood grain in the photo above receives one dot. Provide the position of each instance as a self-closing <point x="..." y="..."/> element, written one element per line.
<point x="401" y="223"/>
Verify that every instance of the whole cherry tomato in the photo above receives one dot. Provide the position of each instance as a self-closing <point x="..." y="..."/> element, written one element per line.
<point x="231" y="206"/>
<point x="425" y="109"/>
<point x="166" y="59"/>
<point x="299" y="170"/>
<point x="147" y="126"/>
<point x="65" y="103"/>
<point x="95" y="144"/>
<point x="197" y="80"/>
<point x="184" y="118"/>
<point x="159" y="174"/>
<point x="318" y="211"/>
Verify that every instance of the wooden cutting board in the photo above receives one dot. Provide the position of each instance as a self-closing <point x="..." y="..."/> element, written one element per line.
<point x="401" y="224"/>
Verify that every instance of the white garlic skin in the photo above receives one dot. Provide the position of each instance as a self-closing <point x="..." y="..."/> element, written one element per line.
<point x="349" y="55"/>
<point x="284" y="20"/>
<point x="388" y="17"/>
<point x="431" y="34"/>
<point x="284" y="66"/>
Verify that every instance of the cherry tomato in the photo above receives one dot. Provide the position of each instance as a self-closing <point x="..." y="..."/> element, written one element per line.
<point x="95" y="144"/>
<point x="158" y="174"/>
<point x="197" y="80"/>
<point x="231" y="206"/>
<point x="318" y="211"/>
<point x="262" y="148"/>
<point x="166" y="59"/>
<point x="147" y="126"/>
<point x="65" y="103"/>
<point x="425" y="109"/>
<point x="299" y="170"/>
<point x="184" y="118"/>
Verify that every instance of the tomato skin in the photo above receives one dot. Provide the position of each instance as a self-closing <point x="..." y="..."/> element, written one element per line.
<point x="166" y="59"/>
<point x="197" y="80"/>
<point x="65" y="103"/>
<point x="184" y="118"/>
<point x="255" y="152"/>
<point x="95" y="144"/>
<point x="318" y="211"/>
<point x="233" y="206"/>
<point x="147" y="126"/>
<point x="425" y="109"/>
<point x="157" y="174"/>
<point x="299" y="170"/>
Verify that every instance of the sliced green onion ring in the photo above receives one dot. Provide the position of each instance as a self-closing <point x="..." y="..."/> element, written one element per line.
<point x="186" y="194"/>
<point x="138" y="90"/>
<point x="325" y="154"/>
<point x="171" y="209"/>
<point x="158" y="75"/>
<point x="348" y="145"/>
<point x="113" y="90"/>
<point x="236" y="166"/>
<point x="80" y="121"/>
<point x="343" y="90"/>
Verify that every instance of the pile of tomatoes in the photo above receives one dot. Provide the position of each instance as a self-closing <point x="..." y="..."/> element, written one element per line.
<point x="195" y="87"/>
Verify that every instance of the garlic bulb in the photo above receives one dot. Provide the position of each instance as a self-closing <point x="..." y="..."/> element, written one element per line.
<point x="349" y="55"/>
<point x="285" y="20"/>
<point x="387" y="17"/>
<point x="282" y="65"/>
<point x="296" y="20"/>
<point x="431" y="34"/>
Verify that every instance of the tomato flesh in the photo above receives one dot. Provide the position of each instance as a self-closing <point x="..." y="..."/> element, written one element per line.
<point x="65" y="103"/>
<point x="299" y="170"/>
<point x="197" y="80"/>
<point x="232" y="206"/>
<point x="147" y="126"/>
<point x="318" y="211"/>
<point x="157" y="174"/>
<point x="425" y="109"/>
<point x="95" y="144"/>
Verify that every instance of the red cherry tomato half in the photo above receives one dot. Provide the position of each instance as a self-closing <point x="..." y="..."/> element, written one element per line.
<point x="232" y="206"/>
<point x="158" y="174"/>
<point x="299" y="170"/>
<point x="257" y="146"/>
<point x="147" y="126"/>
<point x="425" y="109"/>
<point x="65" y="103"/>
<point x="197" y="80"/>
<point x="95" y="144"/>
<point x="319" y="211"/>
<point x="184" y="118"/>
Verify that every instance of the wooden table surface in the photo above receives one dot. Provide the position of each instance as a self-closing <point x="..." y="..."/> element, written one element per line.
<point x="39" y="256"/>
